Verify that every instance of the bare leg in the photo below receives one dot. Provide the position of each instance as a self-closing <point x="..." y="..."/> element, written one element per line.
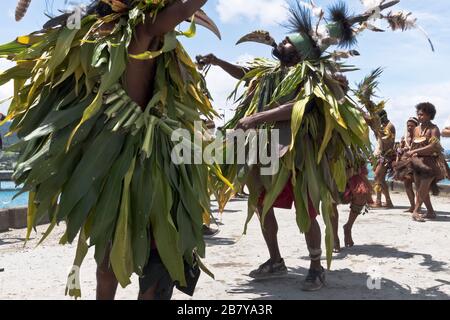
<point x="431" y="214"/>
<point x="275" y="266"/>
<point x="149" y="294"/>
<point x="423" y="194"/>
<point x="348" y="228"/>
<point x="313" y="240"/>
<point x="411" y="196"/>
<point x="270" y="231"/>
<point x="385" y="187"/>
<point x="335" y="223"/>
<point x="382" y="187"/>
<point x="106" y="281"/>
<point x="378" y="183"/>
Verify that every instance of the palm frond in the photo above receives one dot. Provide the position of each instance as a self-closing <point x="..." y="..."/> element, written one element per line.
<point x="367" y="87"/>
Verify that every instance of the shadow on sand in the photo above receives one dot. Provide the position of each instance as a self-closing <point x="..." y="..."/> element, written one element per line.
<point x="9" y="241"/>
<point x="341" y="285"/>
<point x="380" y="251"/>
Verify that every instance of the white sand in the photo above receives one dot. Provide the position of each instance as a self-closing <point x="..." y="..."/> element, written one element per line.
<point x="412" y="258"/>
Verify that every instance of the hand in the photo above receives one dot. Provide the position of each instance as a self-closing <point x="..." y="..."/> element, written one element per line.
<point x="209" y="59"/>
<point x="246" y="124"/>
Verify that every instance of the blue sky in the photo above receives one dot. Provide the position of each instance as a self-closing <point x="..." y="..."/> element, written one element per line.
<point x="412" y="73"/>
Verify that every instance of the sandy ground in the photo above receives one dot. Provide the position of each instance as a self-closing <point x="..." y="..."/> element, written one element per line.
<point x="413" y="260"/>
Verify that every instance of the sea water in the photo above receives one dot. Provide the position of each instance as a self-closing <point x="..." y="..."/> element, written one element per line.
<point x="9" y="190"/>
<point x="7" y="193"/>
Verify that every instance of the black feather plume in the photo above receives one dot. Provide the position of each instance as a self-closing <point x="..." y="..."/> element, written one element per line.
<point x="340" y="15"/>
<point x="300" y="19"/>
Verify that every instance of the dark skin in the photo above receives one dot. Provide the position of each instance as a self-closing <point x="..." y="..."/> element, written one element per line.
<point x="446" y="132"/>
<point x="289" y="57"/>
<point x="423" y="185"/>
<point x="348" y="239"/>
<point x="270" y="230"/>
<point x="139" y="82"/>
<point x="381" y="170"/>
<point x="411" y="127"/>
<point x="238" y="72"/>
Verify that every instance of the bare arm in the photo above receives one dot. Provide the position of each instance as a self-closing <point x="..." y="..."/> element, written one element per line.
<point x="432" y="147"/>
<point x="172" y="16"/>
<point x="139" y="75"/>
<point x="282" y="113"/>
<point x="446" y="132"/>
<point x="233" y="70"/>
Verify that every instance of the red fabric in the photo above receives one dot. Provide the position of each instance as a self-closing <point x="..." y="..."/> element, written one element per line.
<point x="286" y="199"/>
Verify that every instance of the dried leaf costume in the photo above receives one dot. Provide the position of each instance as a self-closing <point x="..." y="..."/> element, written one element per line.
<point x="94" y="159"/>
<point x="327" y="133"/>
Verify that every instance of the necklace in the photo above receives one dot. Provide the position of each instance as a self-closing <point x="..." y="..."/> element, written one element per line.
<point x="424" y="128"/>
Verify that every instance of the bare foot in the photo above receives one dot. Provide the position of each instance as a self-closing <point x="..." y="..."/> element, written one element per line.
<point x="417" y="217"/>
<point x="348" y="237"/>
<point x="337" y="245"/>
<point x="410" y="210"/>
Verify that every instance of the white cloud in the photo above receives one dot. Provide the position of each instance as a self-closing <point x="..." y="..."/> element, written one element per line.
<point x="221" y="85"/>
<point x="6" y="90"/>
<point x="263" y="12"/>
<point x="245" y="58"/>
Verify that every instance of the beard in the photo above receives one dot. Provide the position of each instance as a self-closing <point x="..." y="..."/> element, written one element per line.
<point x="277" y="53"/>
<point x="285" y="59"/>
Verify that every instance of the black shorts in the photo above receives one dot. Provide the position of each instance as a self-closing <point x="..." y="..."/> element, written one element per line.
<point x="155" y="273"/>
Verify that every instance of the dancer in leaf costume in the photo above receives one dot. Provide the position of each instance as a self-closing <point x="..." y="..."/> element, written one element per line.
<point x="95" y="108"/>
<point x="321" y="128"/>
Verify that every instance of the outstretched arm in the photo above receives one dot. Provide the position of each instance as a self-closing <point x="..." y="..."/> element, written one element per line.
<point x="446" y="132"/>
<point x="172" y="16"/>
<point x="233" y="70"/>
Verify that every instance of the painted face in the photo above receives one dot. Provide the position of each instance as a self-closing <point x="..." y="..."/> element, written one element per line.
<point x="423" y="116"/>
